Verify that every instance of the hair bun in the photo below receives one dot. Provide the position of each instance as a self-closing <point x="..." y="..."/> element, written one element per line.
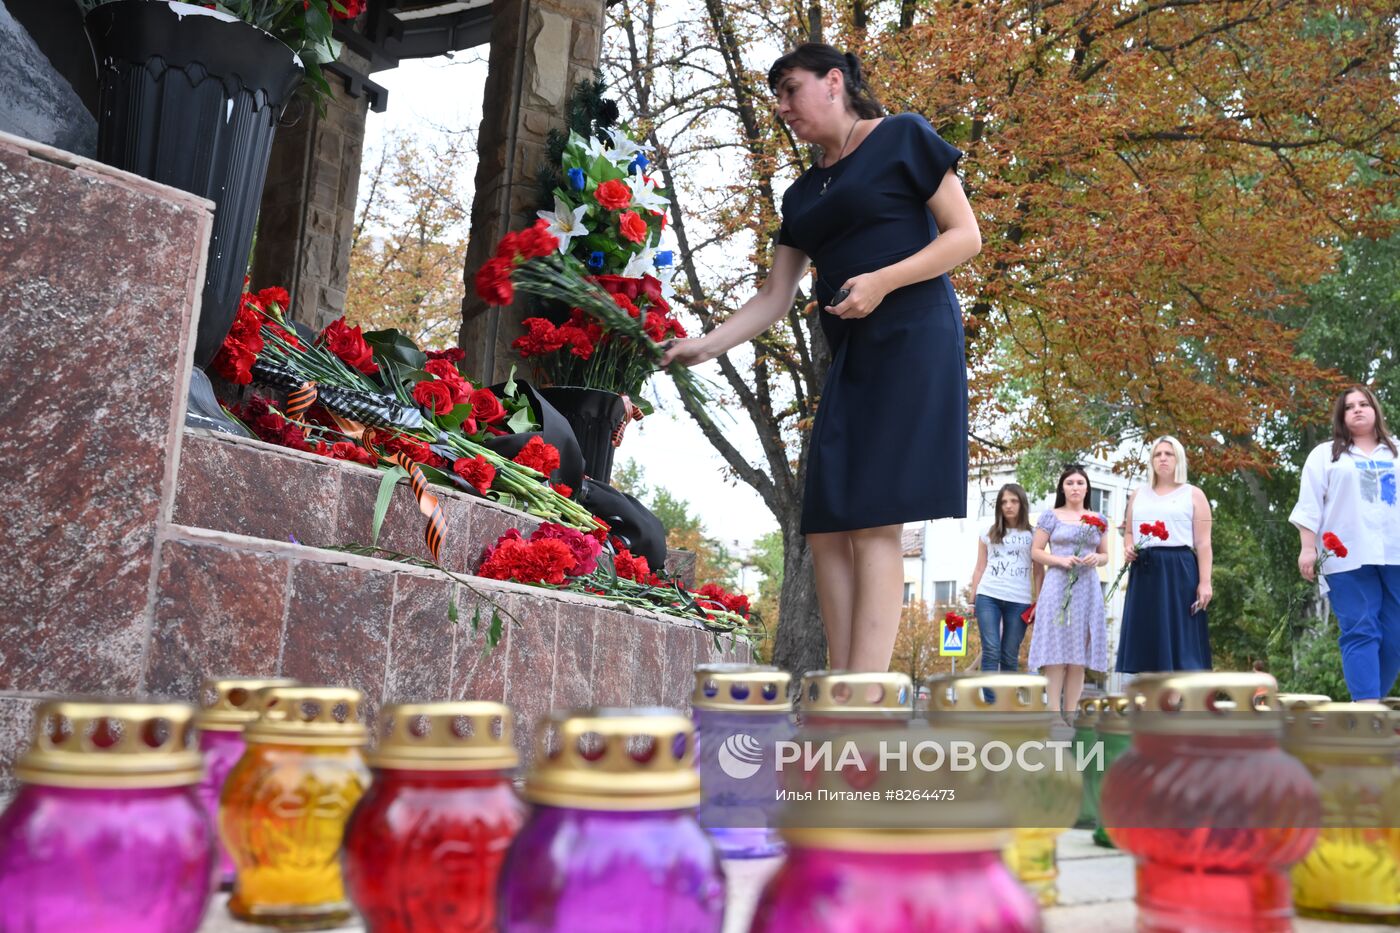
<point x="853" y="64"/>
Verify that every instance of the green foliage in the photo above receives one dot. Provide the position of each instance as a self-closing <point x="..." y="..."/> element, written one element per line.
<point x="589" y="114"/>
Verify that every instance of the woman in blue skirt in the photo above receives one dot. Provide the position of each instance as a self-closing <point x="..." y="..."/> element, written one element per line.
<point x="883" y="218"/>
<point x="1164" y="611"/>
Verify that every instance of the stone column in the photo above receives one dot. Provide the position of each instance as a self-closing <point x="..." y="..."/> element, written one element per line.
<point x="308" y="206"/>
<point x="540" y="50"/>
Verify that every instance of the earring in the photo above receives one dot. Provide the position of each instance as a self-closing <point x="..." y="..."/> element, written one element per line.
<point x="831" y="97"/>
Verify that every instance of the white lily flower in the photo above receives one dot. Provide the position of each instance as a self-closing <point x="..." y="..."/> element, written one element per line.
<point x="644" y="194"/>
<point x="565" y="224"/>
<point x="641" y="264"/>
<point x="624" y="149"/>
<point x="592" y="148"/>
<point x="664" y="274"/>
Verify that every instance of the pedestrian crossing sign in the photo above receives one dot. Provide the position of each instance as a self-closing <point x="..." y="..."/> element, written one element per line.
<point x="954" y="642"/>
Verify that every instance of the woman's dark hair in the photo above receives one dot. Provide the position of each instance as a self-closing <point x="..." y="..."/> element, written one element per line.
<point x="1070" y="470"/>
<point x="819" y="59"/>
<point x="1341" y="434"/>
<point x="1023" y="520"/>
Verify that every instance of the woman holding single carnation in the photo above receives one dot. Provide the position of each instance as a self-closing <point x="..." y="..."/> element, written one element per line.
<point x="1164" y="611"/>
<point x="884" y="219"/>
<point x="1070" y="628"/>
<point x="1349" y="504"/>
<point x="1005" y="580"/>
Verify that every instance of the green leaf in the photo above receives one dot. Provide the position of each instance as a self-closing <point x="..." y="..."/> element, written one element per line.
<point x="395" y="345"/>
<point x="493" y="634"/>
<point x="522" y="420"/>
<point x="510" y="388"/>
<point x="476" y="620"/>
<point x="454" y="418"/>
<point x="392" y="475"/>
<point x="452" y="610"/>
<point x="434" y="475"/>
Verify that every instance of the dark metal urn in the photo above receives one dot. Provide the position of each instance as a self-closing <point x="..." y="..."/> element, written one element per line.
<point x="595" y="415"/>
<point x="191" y="98"/>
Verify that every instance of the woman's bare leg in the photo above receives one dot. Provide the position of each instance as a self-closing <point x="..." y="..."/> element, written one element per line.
<point x="879" y="596"/>
<point x="834" y="564"/>
<point x="1074" y="689"/>
<point x="1055" y="674"/>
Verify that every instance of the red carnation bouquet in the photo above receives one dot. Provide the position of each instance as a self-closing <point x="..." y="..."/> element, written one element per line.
<point x="1089" y="521"/>
<point x="1331" y="546"/>
<point x="953" y="622"/>
<point x="1146" y="532"/>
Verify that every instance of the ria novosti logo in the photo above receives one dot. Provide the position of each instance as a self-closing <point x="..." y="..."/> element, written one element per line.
<point x="740" y="756"/>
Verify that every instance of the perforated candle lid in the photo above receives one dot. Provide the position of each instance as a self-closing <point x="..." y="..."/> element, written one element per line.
<point x="1361" y="727"/>
<point x="302" y="715"/>
<point x="462" y="736"/>
<point x="741" y="688"/>
<point x="615" y="759"/>
<point x="1302" y="700"/>
<point x="1000" y="699"/>
<point x="857" y="693"/>
<point x="228" y="704"/>
<point x="1086" y="715"/>
<point x="1113" y="715"/>
<point x="111" y="744"/>
<point x="1205" y="702"/>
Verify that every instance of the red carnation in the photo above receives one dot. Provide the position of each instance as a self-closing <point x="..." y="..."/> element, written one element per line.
<point x="539" y="455"/>
<point x="449" y="376"/>
<point x="543" y="561"/>
<point x="353" y="8"/>
<point x="632" y="227"/>
<point x="451" y="354"/>
<point x="348" y="343"/>
<point x="613" y="195"/>
<point x="717" y="597"/>
<point x="584" y="548"/>
<point x="563" y="489"/>
<point x="1334" y="544"/>
<point x="537" y="241"/>
<point x="413" y="449"/>
<point x="1160" y="530"/>
<point x="287" y="336"/>
<point x="633" y="568"/>
<point x="626" y="304"/>
<point x="477" y="471"/>
<point x="953" y="621"/>
<point x="651" y="288"/>
<point x="241" y="347"/>
<point x="486" y="407"/>
<point x="435" y="396"/>
<point x="493" y="283"/>
<point x="344" y="450"/>
<point x="509" y="247"/>
<point x="541" y="337"/>
<point x="1095" y="521"/>
<point x="274" y="296"/>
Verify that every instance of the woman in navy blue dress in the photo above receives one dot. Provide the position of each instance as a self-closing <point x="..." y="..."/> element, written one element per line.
<point x="883" y="218"/>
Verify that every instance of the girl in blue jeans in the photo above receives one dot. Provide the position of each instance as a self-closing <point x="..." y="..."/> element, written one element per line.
<point x="1005" y="581"/>
<point x="1348" y="490"/>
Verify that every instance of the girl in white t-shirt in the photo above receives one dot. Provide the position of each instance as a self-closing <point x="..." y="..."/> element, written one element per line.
<point x="1005" y="581"/>
<point x="1349" y="490"/>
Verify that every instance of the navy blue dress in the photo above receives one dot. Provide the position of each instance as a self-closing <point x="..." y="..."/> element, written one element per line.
<point x="889" y="444"/>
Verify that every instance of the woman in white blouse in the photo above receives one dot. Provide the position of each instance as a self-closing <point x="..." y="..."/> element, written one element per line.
<point x="1164" y="611"/>
<point x="1005" y="581"/>
<point x="1348" y="489"/>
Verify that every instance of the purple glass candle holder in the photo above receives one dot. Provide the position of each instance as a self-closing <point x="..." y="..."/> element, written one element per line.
<point x="106" y="835"/>
<point x="612" y="841"/>
<point x="228" y="704"/>
<point x="741" y="712"/>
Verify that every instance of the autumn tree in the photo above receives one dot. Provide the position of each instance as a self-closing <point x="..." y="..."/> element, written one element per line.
<point x="920" y="635"/>
<point x="410" y="239"/>
<point x="684" y="530"/>
<point x="1154" y="181"/>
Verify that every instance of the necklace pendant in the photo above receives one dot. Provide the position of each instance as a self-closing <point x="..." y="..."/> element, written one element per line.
<point x="824" y="187"/>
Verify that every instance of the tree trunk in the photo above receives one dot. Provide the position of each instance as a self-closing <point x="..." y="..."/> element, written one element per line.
<point x="800" y="644"/>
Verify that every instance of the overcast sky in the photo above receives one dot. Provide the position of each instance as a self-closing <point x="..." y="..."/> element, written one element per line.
<point x="436" y="95"/>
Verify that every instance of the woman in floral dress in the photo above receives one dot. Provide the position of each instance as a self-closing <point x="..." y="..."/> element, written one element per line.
<point x="1071" y="632"/>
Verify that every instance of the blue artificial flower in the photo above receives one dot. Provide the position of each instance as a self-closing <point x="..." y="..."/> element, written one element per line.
<point x="577" y="180"/>
<point x="664" y="258"/>
<point x="639" y="164"/>
<point x="595" y="260"/>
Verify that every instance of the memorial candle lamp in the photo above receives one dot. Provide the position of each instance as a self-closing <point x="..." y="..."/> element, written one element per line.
<point x="1043" y="799"/>
<point x="1114" y="733"/>
<point x="1212" y="808"/>
<point x="424" y="846"/>
<point x="106" y="833"/>
<point x="227" y="706"/>
<point x="843" y="699"/>
<point x="285" y="804"/>
<point x="612" y="841"/>
<point x="741" y="712"/>
<point x="1296" y="701"/>
<point x="1352" y="872"/>
<point x="894" y="847"/>
<point x="1086" y="720"/>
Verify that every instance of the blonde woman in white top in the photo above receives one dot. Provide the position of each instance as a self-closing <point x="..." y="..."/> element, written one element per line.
<point x="1164" y="611"/>
<point x="1005" y="580"/>
<point x="1348" y="490"/>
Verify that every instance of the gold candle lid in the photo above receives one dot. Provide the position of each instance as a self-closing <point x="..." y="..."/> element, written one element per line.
<point x="614" y="759"/>
<point x="1392" y="702"/>
<point x="463" y="736"/>
<point x="1086" y="715"/>
<point x="1112" y="718"/>
<point x="110" y="744"/>
<point x="999" y="698"/>
<point x="1205" y="702"/>
<point x="301" y="715"/>
<point x="864" y="693"/>
<point x="1359" y="727"/>
<point x="228" y="704"/>
<point x="882" y="806"/>
<point x="741" y="688"/>
<point x="1302" y="700"/>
